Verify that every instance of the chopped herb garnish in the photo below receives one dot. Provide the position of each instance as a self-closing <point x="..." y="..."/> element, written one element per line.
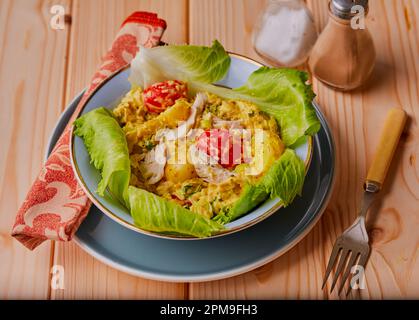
<point x="189" y="189"/>
<point x="186" y="188"/>
<point x="213" y="109"/>
<point x="149" y="145"/>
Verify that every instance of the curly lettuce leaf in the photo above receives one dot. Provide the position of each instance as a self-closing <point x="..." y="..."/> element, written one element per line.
<point x="281" y="93"/>
<point x="284" y="180"/>
<point x="153" y="213"/>
<point x="251" y="196"/>
<point x="182" y="62"/>
<point x="107" y="146"/>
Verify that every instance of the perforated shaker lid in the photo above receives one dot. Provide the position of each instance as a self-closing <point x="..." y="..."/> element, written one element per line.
<point x="343" y="8"/>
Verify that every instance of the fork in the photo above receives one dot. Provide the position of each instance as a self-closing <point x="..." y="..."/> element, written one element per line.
<point x="352" y="247"/>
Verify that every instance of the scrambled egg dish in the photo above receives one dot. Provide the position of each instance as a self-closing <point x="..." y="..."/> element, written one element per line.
<point x="200" y="152"/>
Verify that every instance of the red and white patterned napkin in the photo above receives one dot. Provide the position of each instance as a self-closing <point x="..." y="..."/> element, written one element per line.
<point x="56" y="205"/>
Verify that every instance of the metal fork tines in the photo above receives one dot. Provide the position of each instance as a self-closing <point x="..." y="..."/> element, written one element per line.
<point x="351" y="248"/>
<point x="349" y="252"/>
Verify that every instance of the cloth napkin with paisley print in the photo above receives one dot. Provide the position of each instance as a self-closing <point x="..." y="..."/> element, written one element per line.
<point x="56" y="205"/>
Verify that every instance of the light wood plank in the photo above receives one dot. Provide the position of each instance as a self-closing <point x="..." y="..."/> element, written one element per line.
<point x="95" y="23"/>
<point x="358" y="117"/>
<point x="94" y="26"/>
<point x="32" y="72"/>
<point x="355" y="119"/>
<point x="88" y="278"/>
<point x="31" y="51"/>
<point x="230" y="22"/>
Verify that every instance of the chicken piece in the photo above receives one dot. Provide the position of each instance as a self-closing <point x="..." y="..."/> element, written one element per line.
<point x="207" y="167"/>
<point x="182" y="130"/>
<point x="152" y="167"/>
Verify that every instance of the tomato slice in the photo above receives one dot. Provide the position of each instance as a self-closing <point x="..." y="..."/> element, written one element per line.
<point x="162" y="95"/>
<point x="224" y="145"/>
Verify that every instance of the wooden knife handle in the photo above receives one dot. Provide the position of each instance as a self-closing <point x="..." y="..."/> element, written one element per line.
<point x="390" y="135"/>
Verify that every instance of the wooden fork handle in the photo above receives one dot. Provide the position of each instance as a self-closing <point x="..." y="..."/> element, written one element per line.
<point x="390" y="135"/>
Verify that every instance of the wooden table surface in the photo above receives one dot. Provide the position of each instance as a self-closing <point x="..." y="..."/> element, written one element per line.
<point x="42" y="69"/>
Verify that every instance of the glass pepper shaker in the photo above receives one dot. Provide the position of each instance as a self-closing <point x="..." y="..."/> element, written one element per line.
<point x="344" y="55"/>
<point x="284" y="33"/>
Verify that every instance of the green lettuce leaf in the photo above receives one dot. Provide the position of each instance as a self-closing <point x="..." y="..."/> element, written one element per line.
<point x="251" y="196"/>
<point x="182" y="62"/>
<point x="107" y="146"/>
<point x="153" y="213"/>
<point x="281" y="93"/>
<point x="284" y="180"/>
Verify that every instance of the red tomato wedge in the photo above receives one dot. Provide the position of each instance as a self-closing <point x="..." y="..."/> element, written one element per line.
<point x="162" y="95"/>
<point x="222" y="144"/>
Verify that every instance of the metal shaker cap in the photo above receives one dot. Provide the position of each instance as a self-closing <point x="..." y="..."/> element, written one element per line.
<point x="342" y="8"/>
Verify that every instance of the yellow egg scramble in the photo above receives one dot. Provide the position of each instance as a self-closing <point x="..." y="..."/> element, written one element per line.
<point x="180" y="182"/>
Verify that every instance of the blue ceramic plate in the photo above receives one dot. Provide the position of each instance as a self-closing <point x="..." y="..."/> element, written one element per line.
<point x="109" y="94"/>
<point x="209" y="259"/>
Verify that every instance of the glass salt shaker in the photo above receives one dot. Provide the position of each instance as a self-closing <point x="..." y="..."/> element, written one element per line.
<point x="285" y="33"/>
<point x="344" y="55"/>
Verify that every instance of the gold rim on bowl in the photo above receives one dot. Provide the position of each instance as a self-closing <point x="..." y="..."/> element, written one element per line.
<point x="133" y="227"/>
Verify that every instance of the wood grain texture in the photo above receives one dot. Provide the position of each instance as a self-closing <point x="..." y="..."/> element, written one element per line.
<point x="94" y="26"/>
<point x="32" y="64"/>
<point x="355" y="119"/>
<point x="88" y="278"/>
<point x="230" y="22"/>
<point x="41" y="70"/>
